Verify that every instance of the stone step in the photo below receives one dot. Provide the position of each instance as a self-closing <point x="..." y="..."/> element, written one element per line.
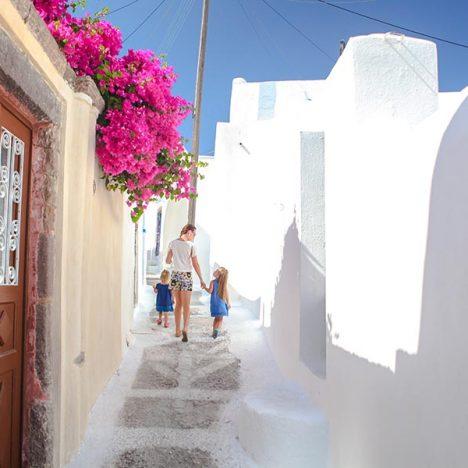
<point x="280" y="427"/>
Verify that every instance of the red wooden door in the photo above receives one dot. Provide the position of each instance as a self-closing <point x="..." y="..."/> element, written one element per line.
<point x="15" y="148"/>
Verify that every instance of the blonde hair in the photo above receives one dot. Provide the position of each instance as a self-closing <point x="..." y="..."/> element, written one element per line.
<point x="187" y="228"/>
<point x="223" y="292"/>
<point x="165" y="276"/>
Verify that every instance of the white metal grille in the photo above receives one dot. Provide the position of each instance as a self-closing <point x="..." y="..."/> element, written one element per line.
<point x="11" y="179"/>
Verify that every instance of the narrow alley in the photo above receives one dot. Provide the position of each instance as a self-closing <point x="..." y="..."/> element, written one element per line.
<point x="308" y="201"/>
<point x="173" y="404"/>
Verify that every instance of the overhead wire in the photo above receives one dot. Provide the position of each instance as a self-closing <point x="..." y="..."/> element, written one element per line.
<point x="393" y="25"/>
<point x="303" y="34"/>
<point x="148" y="16"/>
<point x="122" y="7"/>
<point x="341" y="2"/>
<point x="159" y="24"/>
<point x="254" y="28"/>
<point x="164" y="23"/>
<point x="179" y="24"/>
<point x="271" y="40"/>
<point x="173" y="22"/>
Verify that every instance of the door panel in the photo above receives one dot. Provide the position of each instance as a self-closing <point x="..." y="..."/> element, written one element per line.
<point x="6" y="399"/>
<point x="15" y="144"/>
<point x="7" y="327"/>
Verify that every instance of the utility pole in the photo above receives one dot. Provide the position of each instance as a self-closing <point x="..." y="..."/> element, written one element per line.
<point x="197" y="109"/>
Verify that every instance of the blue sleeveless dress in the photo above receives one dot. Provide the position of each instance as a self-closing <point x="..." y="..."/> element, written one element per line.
<point x="164" y="298"/>
<point x="218" y="306"/>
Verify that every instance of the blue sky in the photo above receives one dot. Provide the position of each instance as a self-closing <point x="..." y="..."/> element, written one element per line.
<point x="275" y="51"/>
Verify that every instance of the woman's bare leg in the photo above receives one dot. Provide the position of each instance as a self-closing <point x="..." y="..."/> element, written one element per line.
<point x="185" y="297"/>
<point x="177" y="311"/>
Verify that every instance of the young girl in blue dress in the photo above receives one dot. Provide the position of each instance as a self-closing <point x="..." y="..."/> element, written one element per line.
<point x="219" y="303"/>
<point x="164" y="301"/>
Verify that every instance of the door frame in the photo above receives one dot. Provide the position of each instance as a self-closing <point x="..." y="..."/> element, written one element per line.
<point x="8" y="105"/>
<point x="44" y="113"/>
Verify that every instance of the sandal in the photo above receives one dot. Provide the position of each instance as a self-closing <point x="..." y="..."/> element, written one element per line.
<point x="166" y="324"/>
<point x="159" y="321"/>
<point x="184" y="337"/>
<point x="178" y="334"/>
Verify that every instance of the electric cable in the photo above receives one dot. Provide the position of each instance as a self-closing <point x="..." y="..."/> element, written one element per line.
<point x="304" y="35"/>
<point x="271" y="40"/>
<point x="335" y="2"/>
<point x="250" y="21"/>
<point x="122" y="7"/>
<point x="393" y="25"/>
<point x="148" y="16"/>
<point x="178" y="25"/>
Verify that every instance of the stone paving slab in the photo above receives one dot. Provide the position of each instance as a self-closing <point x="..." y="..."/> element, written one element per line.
<point x="150" y="376"/>
<point x="159" y="457"/>
<point x="167" y="412"/>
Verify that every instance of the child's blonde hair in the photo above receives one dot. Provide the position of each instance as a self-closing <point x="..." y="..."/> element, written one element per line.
<point x="223" y="284"/>
<point x="165" y="276"/>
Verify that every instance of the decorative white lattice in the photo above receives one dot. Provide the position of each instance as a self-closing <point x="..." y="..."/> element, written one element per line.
<point x="11" y="178"/>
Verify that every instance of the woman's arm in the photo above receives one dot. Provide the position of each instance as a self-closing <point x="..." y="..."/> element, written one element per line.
<point x="169" y="257"/>
<point x="196" y="267"/>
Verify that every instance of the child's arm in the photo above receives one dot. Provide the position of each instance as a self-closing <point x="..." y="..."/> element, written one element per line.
<point x="210" y="289"/>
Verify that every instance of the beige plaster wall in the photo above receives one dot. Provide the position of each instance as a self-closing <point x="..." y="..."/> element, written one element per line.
<point x="128" y="298"/>
<point x="97" y="278"/>
<point x="95" y="261"/>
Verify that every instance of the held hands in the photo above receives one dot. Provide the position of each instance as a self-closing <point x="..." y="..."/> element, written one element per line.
<point x="203" y="285"/>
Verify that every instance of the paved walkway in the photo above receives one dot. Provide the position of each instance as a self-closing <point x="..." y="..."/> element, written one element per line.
<point x="174" y="404"/>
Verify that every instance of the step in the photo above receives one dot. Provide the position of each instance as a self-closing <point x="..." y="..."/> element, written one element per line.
<point x="279" y="427"/>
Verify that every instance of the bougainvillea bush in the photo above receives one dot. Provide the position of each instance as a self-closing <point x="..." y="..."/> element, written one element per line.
<point x="138" y="142"/>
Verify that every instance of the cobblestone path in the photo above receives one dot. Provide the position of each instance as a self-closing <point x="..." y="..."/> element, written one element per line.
<point x="171" y="404"/>
<point x="179" y="387"/>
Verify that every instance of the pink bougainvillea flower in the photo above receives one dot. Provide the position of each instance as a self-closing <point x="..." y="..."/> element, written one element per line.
<point x="138" y="142"/>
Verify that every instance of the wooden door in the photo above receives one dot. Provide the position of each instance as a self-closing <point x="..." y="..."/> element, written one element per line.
<point x="15" y="146"/>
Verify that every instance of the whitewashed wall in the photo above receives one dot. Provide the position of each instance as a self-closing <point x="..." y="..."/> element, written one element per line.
<point x="250" y="196"/>
<point x="377" y="155"/>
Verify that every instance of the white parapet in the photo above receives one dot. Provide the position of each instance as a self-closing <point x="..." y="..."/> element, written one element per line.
<point x="279" y="427"/>
<point x="385" y="77"/>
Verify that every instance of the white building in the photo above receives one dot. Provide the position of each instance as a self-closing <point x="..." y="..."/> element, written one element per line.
<point x="377" y="154"/>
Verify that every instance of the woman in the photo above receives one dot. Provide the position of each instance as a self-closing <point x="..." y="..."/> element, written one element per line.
<point x="183" y="256"/>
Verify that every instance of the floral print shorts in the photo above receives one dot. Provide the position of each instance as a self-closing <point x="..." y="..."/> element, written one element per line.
<point x="181" y="281"/>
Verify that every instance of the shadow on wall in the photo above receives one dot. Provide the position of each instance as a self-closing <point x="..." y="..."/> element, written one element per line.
<point x="298" y="316"/>
<point x="418" y="416"/>
<point x="284" y="330"/>
<point x="313" y="327"/>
